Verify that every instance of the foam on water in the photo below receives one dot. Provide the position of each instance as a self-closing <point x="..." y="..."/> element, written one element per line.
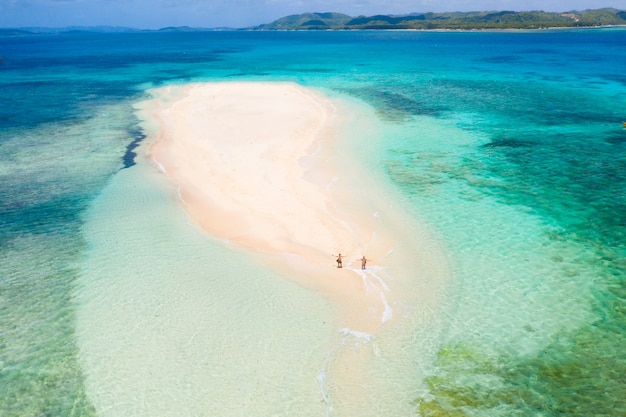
<point x="373" y="282"/>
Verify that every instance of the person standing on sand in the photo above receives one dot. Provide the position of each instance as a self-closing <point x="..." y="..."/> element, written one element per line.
<point x="363" y="262"/>
<point x="339" y="263"/>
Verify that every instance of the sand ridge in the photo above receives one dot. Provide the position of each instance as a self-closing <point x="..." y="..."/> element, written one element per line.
<point x="254" y="166"/>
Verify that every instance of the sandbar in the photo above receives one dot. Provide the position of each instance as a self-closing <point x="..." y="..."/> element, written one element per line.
<point x="255" y="166"/>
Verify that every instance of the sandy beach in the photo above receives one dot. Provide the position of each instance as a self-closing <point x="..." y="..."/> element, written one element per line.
<point x="263" y="166"/>
<point x="274" y="170"/>
<point x="254" y="166"/>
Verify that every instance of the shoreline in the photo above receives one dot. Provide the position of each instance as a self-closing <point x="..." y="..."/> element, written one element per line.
<point x="257" y="165"/>
<point x="442" y="30"/>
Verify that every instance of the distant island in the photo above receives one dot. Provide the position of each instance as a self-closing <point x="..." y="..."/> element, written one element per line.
<point x="451" y="21"/>
<point x="415" y="21"/>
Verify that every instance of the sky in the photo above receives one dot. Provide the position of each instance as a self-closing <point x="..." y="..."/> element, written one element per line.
<point x="154" y="14"/>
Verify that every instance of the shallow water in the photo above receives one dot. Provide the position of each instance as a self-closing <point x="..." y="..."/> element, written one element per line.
<point x="506" y="147"/>
<point x="171" y="322"/>
<point x="202" y="326"/>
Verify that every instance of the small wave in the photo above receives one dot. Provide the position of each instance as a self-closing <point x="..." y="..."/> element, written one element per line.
<point x="367" y="337"/>
<point x="373" y="282"/>
<point x="160" y="166"/>
<point x="180" y="196"/>
<point x="321" y="380"/>
<point x="388" y="312"/>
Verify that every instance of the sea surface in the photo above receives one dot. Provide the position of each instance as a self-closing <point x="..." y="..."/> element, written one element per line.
<point x="508" y="146"/>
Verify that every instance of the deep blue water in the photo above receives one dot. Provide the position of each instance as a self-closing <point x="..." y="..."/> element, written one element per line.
<point x="545" y="109"/>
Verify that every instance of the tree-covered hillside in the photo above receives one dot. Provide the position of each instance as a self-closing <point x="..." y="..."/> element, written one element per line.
<point x="456" y="20"/>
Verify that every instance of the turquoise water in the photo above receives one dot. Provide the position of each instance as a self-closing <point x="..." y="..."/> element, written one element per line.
<point x="508" y="146"/>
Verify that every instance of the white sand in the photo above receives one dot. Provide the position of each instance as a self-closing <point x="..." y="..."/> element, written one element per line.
<point x="254" y="167"/>
<point x="267" y="169"/>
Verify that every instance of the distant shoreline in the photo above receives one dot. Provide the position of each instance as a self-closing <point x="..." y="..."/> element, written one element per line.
<point x="456" y="30"/>
<point x="427" y="22"/>
<point x="462" y="21"/>
<point x="48" y="30"/>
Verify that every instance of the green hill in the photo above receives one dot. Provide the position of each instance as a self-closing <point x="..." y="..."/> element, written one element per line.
<point x="308" y="21"/>
<point x="456" y="20"/>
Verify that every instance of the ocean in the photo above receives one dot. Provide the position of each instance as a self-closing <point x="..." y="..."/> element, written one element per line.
<point x="507" y="146"/>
